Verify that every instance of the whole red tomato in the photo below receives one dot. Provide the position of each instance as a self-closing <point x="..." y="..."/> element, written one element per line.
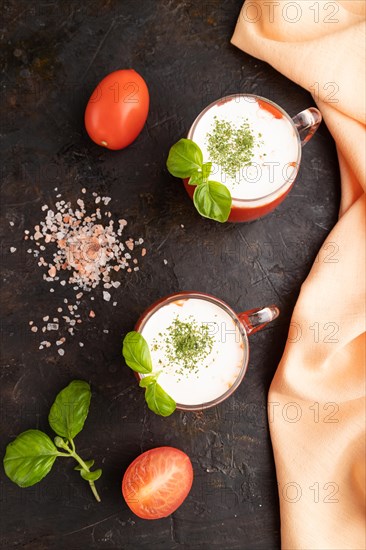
<point x="157" y="482"/>
<point x="117" y="109"/>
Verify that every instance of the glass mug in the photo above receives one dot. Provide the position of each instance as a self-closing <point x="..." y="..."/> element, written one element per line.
<point x="211" y="385"/>
<point x="303" y="126"/>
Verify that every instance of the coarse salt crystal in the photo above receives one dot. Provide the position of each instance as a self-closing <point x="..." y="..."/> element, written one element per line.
<point x="52" y="326"/>
<point x="61" y="351"/>
<point x="106" y="296"/>
<point x="13" y="249"/>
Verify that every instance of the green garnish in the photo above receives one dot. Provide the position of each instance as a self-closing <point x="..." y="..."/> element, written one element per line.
<point x="137" y="356"/>
<point x="230" y="147"/>
<point x="30" y="457"/>
<point x="211" y="198"/>
<point x="186" y="344"/>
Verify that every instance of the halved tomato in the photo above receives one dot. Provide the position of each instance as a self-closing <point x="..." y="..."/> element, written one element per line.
<point x="157" y="482"/>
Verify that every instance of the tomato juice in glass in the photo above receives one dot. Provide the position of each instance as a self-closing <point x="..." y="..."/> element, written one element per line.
<point x="214" y="375"/>
<point x="261" y="184"/>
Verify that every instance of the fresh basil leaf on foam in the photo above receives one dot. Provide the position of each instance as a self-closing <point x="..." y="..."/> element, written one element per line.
<point x="211" y="198"/>
<point x="184" y="159"/>
<point x="159" y="401"/>
<point x="136" y="352"/>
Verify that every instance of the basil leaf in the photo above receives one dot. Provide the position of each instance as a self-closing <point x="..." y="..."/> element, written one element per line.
<point x="89" y="463"/>
<point x="213" y="200"/>
<point x="29" y="458"/>
<point x="184" y="159"/>
<point x="70" y="409"/>
<point x="206" y="170"/>
<point x="91" y="476"/>
<point x="136" y="352"/>
<point x="196" y="179"/>
<point x="159" y="401"/>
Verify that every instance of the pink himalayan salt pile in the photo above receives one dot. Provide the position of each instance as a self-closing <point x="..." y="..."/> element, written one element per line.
<point x="87" y="251"/>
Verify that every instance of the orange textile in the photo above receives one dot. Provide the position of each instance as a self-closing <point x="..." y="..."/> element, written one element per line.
<point x="316" y="402"/>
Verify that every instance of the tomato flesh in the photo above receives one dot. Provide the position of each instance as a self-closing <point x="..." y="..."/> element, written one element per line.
<point x="117" y="109"/>
<point x="157" y="482"/>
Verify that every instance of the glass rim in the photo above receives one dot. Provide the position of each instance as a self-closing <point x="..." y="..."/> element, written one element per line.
<point x="210" y="298"/>
<point x="294" y="172"/>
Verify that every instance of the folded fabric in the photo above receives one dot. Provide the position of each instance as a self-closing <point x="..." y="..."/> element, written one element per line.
<point x="316" y="403"/>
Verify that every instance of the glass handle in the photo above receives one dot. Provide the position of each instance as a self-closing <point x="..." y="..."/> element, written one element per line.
<point x="307" y="122"/>
<point x="256" y="319"/>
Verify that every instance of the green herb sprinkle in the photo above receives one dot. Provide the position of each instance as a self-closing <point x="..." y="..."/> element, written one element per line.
<point x="186" y="344"/>
<point x="230" y="147"/>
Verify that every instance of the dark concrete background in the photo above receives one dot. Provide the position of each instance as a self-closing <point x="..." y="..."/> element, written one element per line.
<point x="53" y="55"/>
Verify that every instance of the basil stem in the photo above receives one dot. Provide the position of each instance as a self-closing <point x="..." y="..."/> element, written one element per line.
<point x="84" y="466"/>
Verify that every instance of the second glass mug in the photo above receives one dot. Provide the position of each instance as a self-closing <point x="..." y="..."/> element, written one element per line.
<point x="305" y="125"/>
<point x="248" y="322"/>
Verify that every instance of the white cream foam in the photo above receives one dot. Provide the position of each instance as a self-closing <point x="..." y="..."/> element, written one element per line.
<point x="271" y="162"/>
<point x="217" y="372"/>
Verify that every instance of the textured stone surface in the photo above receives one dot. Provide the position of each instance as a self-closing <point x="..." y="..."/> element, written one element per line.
<point x="54" y="53"/>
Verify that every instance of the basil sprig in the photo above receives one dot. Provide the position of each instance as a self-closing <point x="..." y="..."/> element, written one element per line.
<point x="211" y="198"/>
<point x="137" y="356"/>
<point x="30" y="457"/>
